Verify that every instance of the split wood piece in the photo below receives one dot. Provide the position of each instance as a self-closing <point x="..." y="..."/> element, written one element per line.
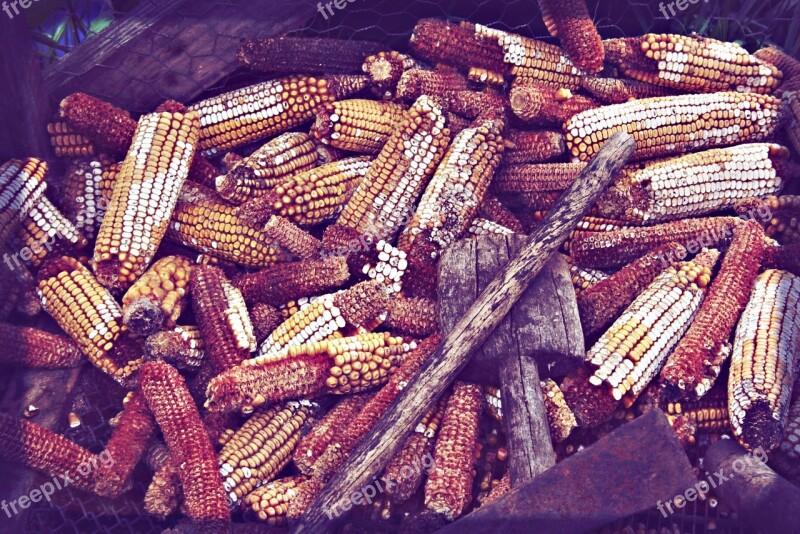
<point x="584" y="492"/>
<point x="475" y="327"/>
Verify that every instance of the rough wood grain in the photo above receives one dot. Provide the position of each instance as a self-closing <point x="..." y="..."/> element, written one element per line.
<point x="470" y="332"/>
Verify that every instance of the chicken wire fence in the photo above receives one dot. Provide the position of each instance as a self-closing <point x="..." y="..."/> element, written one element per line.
<point x="753" y="23"/>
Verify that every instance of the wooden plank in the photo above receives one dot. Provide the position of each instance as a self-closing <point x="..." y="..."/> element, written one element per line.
<point x="471" y="331"/>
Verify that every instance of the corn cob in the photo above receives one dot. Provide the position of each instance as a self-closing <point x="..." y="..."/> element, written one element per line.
<point x="481" y="226"/>
<point x="488" y="77"/>
<point x="81" y="197"/>
<point x="764" y="361"/>
<point x="158" y="297"/>
<point x="475" y="104"/>
<point x="104" y="124"/>
<point x="455" y="192"/>
<point x="448" y="490"/>
<point x="793" y="124"/>
<point x="384" y="70"/>
<point x="676" y="124"/>
<point x="144" y="196"/>
<point x="619" y="91"/>
<point x="784" y="258"/>
<point x="263" y="446"/>
<point x="418" y="317"/>
<point x="357" y="125"/>
<point x="190" y="449"/>
<point x="202" y="222"/>
<point x="341" y="366"/>
<point x="67" y="143"/>
<point x="164" y="493"/>
<point x="389" y="268"/>
<point x="494" y="211"/>
<point x="37" y="349"/>
<point x="789" y="66"/>
<point x="602" y="303"/>
<point x="46" y="231"/>
<point x="22" y="186"/>
<point x="540" y="184"/>
<point x="401" y="171"/>
<point x="583" y="279"/>
<point x="602" y="250"/>
<point x="267" y="167"/>
<point x="534" y="147"/>
<point x="415" y="83"/>
<point x="265" y="319"/>
<point x="790" y="444"/>
<point x="545" y="105"/>
<point x="569" y="20"/>
<point x="709" y="415"/>
<point x="236" y="118"/>
<point x="270" y="501"/>
<point x="292" y="238"/>
<point x="303" y="54"/>
<point x="697" y="361"/>
<point x="182" y="347"/>
<point x="87" y="312"/>
<point x="691" y="63"/>
<point x="559" y="416"/>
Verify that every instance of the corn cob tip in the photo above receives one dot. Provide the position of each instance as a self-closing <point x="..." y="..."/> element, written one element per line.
<point x="143" y="317"/>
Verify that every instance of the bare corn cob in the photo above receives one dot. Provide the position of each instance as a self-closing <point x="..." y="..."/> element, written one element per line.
<point x="265" y="319"/>
<point x="455" y="192"/>
<point x="164" y="493"/>
<point x="267" y="167"/>
<point x="533" y="147"/>
<point x="764" y="361"/>
<point x="384" y="70"/>
<point x="676" y="124"/>
<point x="254" y="112"/>
<point x="481" y="226"/>
<point x="448" y="490"/>
<point x="67" y="143"/>
<point x="786" y="64"/>
<point x="602" y="250"/>
<point x="415" y="83"/>
<point x="494" y="211"/>
<point x="304" y="54"/>
<point x="583" y="279"/>
<point x="542" y="184"/>
<point x="692" y="63"/>
<point x="158" y="297"/>
<point x="182" y="347"/>
<point x="357" y="125"/>
<point x="292" y="238"/>
<point x="270" y="501"/>
<point x="106" y="125"/>
<point x="618" y="91"/>
<point x="474" y="104"/>
<point x="399" y="174"/>
<point x="37" y="349"/>
<point x="538" y="104"/>
<point x="46" y="231"/>
<point x="569" y="20"/>
<point x="144" y="196"/>
<point x="418" y="317"/>
<point x="697" y="361"/>
<point x="22" y="186"/>
<point x="559" y="416"/>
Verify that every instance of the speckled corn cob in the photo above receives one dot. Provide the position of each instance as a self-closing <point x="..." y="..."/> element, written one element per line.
<point x="676" y="124"/>
<point x="164" y="493"/>
<point x="182" y="347"/>
<point x="545" y="105"/>
<point x="67" y="143"/>
<point x="357" y="125"/>
<point x="158" y="297"/>
<point x="415" y="83"/>
<point x="263" y="446"/>
<point x="540" y="185"/>
<point x="448" y="490"/>
<point x="569" y="20"/>
<point x="304" y="54"/>
<point x="481" y="226"/>
<point x="46" y="231"/>
<point x="22" y="186"/>
<point x="455" y="192"/>
<point x="630" y="354"/>
<point x="474" y="104"/>
<point x="602" y="250"/>
<point x="203" y="222"/>
<point x="691" y="63"/>
<point x="265" y="319"/>
<point x="583" y="279"/>
<point x="709" y="415"/>
<point x="389" y="267"/>
<point x="533" y="147"/>
<point x="399" y="174"/>
<point x="104" y="124"/>
<point x="697" y="361"/>
<point x="267" y="167"/>
<point x="603" y="302"/>
<point x="81" y="196"/>
<point x="494" y="210"/>
<point x="764" y="361"/>
<point x="559" y="416"/>
<point x="37" y="349"/>
<point x="292" y="238"/>
<point x="270" y="501"/>
<point x="190" y="449"/>
<point x="793" y="124"/>
<point x="618" y="91"/>
<point x="418" y="317"/>
<point x="254" y="112"/>
<point x="144" y="196"/>
<point x="384" y="70"/>
<point x="789" y="66"/>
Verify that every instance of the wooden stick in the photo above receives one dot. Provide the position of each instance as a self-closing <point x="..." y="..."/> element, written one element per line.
<point x="470" y="332"/>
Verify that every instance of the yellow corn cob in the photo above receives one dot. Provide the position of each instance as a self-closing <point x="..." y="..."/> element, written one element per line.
<point x="270" y="501"/>
<point x="400" y="172"/>
<point x="305" y="54"/>
<point x="21" y="187"/>
<point x="267" y="167"/>
<point x="182" y="347"/>
<point x="263" y="446"/>
<point x="384" y="70"/>
<point x="158" y="297"/>
<point x="618" y="91"/>
<point x="709" y="415"/>
<point x="357" y="125"/>
<point x="46" y="231"/>
<point x="67" y="143"/>
<point x="81" y="195"/>
<point x="560" y="418"/>
<point x="692" y="63"/>
<point x="480" y="226"/>
<point x="764" y="361"/>
<point x="676" y="124"/>
<point x="254" y="112"/>
<point x="488" y="77"/>
<point x="144" y="196"/>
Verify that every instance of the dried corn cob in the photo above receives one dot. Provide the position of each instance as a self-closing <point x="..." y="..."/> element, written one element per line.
<point x="144" y="196"/>
<point x="22" y="186"/>
<point x="292" y="238"/>
<point x="265" y="319"/>
<point x="389" y="269"/>
<point x="618" y="91"/>
<point x="569" y="20"/>
<point x="494" y="211"/>
<point x="267" y="167"/>
<point x="460" y="46"/>
<point x="709" y="415"/>
<point x="691" y="63"/>
<point x="202" y="222"/>
<point x="67" y="143"/>
<point x="455" y="192"/>
<point x="474" y="104"/>
<point x="190" y="449"/>
<point x="400" y="172"/>
<point x="81" y="194"/>
<point x="270" y="501"/>
<point x="583" y="279"/>
<point x="182" y="347"/>
<point x="546" y="105"/>
<point x="602" y="250"/>
<point x="479" y="75"/>
<point x="254" y="112"/>
<point x="793" y="124"/>
<point x="415" y="83"/>
<point x="164" y="493"/>
<point x="384" y="70"/>
<point x="784" y="258"/>
<point x="158" y="297"/>
<point x="418" y="317"/>
<point x="602" y="303"/>
<point x="37" y="349"/>
<point x="533" y="147"/>
<point x="541" y="184"/>
<point x="448" y="490"/>
<point x="357" y="125"/>
<point x="789" y="66"/>
<point x="46" y="231"/>
<point x="481" y="226"/>
<point x="764" y="361"/>
<point x="676" y="124"/>
<point x="106" y="125"/>
<point x="790" y="444"/>
<point x="697" y="361"/>
<point x="559" y="416"/>
<point x="263" y="446"/>
<point x="87" y="312"/>
<point x="304" y="54"/>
